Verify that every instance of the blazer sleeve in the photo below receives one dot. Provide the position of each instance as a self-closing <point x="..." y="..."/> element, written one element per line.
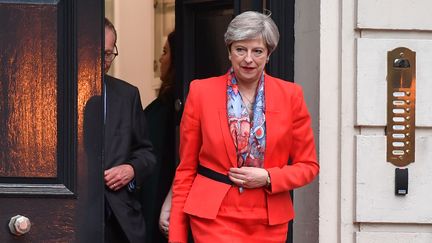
<point x="304" y="165"/>
<point x="142" y="158"/>
<point x="190" y="144"/>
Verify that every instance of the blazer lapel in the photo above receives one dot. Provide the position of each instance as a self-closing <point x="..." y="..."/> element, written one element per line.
<point x="220" y="96"/>
<point x="229" y="143"/>
<point x="272" y="115"/>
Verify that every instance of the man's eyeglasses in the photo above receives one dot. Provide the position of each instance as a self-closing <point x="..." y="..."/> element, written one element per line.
<point x="109" y="56"/>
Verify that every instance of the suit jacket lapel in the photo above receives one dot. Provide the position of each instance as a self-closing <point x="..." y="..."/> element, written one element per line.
<point x="272" y="114"/>
<point x="113" y="104"/>
<point x="229" y="143"/>
<point x="220" y="95"/>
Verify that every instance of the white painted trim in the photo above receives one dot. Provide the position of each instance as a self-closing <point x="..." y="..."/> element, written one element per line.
<point x="329" y="123"/>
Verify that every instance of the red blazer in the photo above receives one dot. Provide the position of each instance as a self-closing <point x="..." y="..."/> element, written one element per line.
<point x="205" y="139"/>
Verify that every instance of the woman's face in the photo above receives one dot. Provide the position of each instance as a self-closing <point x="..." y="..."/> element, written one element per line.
<point x="248" y="58"/>
<point x="165" y="62"/>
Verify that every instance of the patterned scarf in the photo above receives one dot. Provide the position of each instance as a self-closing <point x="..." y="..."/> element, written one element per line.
<point x="249" y="137"/>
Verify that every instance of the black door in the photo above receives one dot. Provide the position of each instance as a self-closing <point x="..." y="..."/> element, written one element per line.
<point x="200" y="27"/>
<point x="51" y="120"/>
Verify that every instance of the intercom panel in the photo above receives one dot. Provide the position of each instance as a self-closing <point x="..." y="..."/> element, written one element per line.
<point x="401" y="97"/>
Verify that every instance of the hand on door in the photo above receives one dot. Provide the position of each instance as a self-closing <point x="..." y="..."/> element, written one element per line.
<point x="118" y="176"/>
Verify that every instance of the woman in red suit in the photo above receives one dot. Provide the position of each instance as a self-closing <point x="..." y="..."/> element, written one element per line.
<point x="238" y="132"/>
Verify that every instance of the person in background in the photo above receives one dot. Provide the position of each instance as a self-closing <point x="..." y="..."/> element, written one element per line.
<point x="237" y="135"/>
<point x="128" y="153"/>
<point x="160" y="117"/>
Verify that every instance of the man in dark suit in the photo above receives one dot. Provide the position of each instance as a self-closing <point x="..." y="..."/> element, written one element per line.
<point x="128" y="153"/>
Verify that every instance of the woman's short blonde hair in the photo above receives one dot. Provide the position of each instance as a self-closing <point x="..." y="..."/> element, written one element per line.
<point x="252" y="25"/>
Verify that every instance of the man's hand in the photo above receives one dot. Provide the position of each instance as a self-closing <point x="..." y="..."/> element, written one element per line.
<point x="118" y="176"/>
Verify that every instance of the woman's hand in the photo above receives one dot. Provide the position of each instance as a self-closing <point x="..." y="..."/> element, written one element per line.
<point x="164" y="216"/>
<point x="248" y="177"/>
<point x="164" y="221"/>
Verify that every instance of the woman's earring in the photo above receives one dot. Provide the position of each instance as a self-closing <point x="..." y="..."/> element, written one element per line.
<point x="268" y="59"/>
<point x="229" y="57"/>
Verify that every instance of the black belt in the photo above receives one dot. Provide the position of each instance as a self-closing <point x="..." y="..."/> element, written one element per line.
<point x="209" y="173"/>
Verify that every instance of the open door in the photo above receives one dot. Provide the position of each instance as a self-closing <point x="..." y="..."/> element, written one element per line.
<point x="51" y="121"/>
